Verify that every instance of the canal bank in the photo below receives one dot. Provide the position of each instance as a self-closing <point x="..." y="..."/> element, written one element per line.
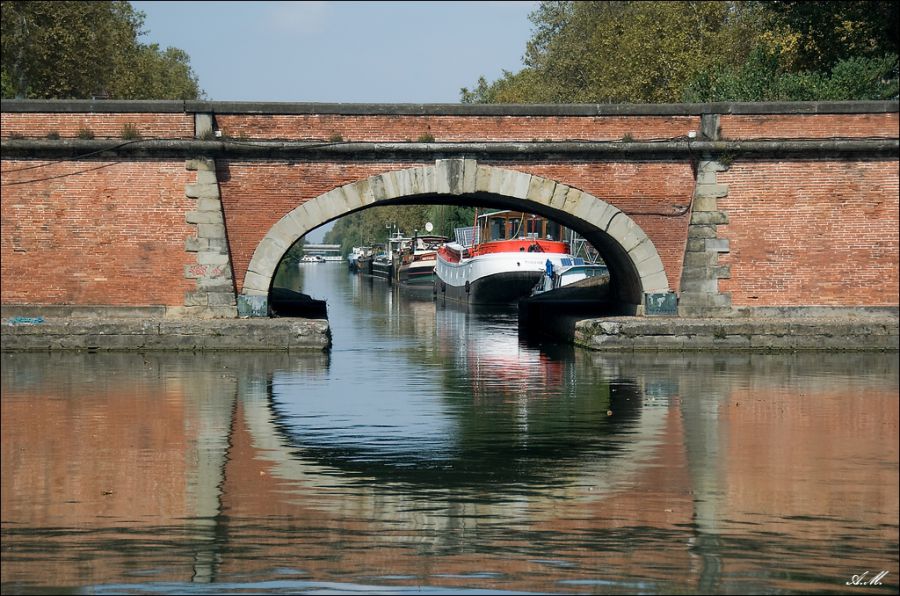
<point x="619" y="333"/>
<point x="39" y="334"/>
<point x="756" y="334"/>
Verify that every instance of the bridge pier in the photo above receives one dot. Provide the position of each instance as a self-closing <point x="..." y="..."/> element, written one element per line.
<point x="701" y="272"/>
<point x="214" y="295"/>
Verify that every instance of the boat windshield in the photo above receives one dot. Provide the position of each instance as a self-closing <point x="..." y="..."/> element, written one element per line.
<point x="510" y="225"/>
<point x="467" y="236"/>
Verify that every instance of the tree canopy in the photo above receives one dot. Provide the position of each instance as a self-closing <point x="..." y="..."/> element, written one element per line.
<point x="663" y="52"/>
<point x="373" y="226"/>
<point x="80" y="50"/>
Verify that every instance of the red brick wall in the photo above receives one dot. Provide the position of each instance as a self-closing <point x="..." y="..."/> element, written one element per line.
<point x="112" y="234"/>
<point x="255" y="196"/>
<point x="388" y="128"/>
<point x="801" y="232"/>
<point x="456" y="128"/>
<point x="104" y="126"/>
<point x="811" y="233"/>
<point x="808" y="126"/>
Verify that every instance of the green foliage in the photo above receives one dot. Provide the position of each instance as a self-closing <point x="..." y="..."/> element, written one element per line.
<point x="816" y="36"/>
<point x="374" y="225"/>
<point x="762" y="78"/>
<point x="294" y="253"/>
<point x="602" y="52"/>
<point x="79" y="50"/>
<point x="85" y="133"/>
<point x="521" y="87"/>
<point x="130" y="131"/>
<point x="426" y="137"/>
<point x="659" y="52"/>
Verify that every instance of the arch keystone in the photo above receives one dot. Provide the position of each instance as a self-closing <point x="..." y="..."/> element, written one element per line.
<point x="455" y="176"/>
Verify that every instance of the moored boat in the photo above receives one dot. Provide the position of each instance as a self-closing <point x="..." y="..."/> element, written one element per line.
<point x="385" y="263"/>
<point x="500" y="259"/>
<point x="356" y="256"/>
<point x="383" y="266"/>
<point x="417" y="265"/>
<point x="571" y="271"/>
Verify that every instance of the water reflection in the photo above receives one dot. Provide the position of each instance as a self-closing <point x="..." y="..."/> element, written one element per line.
<point x="432" y="450"/>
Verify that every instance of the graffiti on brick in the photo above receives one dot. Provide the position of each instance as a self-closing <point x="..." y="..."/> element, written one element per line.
<point x="208" y="271"/>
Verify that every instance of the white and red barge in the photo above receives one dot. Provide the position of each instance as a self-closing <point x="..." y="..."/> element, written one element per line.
<point x="504" y="267"/>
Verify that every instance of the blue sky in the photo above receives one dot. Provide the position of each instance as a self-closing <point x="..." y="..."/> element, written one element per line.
<point x="342" y="52"/>
<point x="379" y="52"/>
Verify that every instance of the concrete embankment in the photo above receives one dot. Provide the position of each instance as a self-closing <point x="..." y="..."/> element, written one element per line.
<point x="760" y="334"/>
<point x="51" y="334"/>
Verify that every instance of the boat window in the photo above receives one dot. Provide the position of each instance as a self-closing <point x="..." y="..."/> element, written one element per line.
<point x="515" y="228"/>
<point x="553" y="230"/>
<point x="498" y="229"/>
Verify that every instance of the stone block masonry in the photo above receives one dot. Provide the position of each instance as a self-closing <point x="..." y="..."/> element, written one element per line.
<point x="214" y="295"/>
<point x="730" y="334"/>
<point x="149" y="334"/>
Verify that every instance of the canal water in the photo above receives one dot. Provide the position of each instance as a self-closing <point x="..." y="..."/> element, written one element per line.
<point x="433" y="451"/>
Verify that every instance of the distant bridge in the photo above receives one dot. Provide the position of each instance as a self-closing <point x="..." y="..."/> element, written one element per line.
<point x="728" y="207"/>
<point x="324" y="250"/>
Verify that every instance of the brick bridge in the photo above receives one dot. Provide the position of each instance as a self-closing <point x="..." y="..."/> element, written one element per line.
<point x="186" y="208"/>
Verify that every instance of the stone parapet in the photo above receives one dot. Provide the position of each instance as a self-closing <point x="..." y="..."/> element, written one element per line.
<point x="764" y="334"/>
<point x="165" y="335"/>
<point x="438" y="109"/>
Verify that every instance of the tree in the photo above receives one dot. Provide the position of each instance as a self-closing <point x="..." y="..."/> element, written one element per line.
<point x="816" y="36"/>
<point x="374" y="225"/>
<point x="635" y="52"/>
<point x="607" y="52"/>
<point x="812" y="51"/>
<point x="763" y="78"/>
<point x="79" y="50"/>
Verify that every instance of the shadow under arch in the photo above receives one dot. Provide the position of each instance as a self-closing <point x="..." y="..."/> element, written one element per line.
<point x="634" y="264"/>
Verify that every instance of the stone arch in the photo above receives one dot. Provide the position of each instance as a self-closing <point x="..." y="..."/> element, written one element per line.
<point x="635" y="266"/>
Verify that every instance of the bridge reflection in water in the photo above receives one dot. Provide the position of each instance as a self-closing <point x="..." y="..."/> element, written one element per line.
<point x="497" y="466"/>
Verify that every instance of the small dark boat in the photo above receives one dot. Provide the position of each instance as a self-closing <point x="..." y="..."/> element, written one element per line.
<point x="288" y="303"/>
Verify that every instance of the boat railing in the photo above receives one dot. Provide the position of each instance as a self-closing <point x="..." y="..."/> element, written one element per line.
<point x="467" y="236"/>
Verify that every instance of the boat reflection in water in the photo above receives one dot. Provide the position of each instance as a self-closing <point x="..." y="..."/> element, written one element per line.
<point x="501" y="415"/>
<point x="433" y="451"/>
